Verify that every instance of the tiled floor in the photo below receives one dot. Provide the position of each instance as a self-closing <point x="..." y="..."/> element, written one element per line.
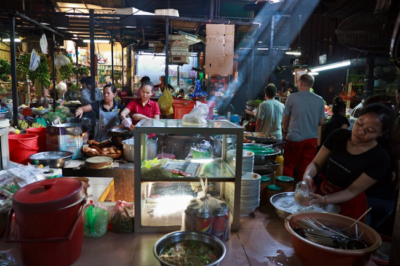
<point x="262" y="240"/>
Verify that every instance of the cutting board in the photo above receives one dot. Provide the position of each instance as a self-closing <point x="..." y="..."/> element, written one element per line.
<point x="98" y="162"/>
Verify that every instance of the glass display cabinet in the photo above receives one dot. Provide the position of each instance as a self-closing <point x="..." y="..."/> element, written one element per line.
<point x="169" y="158"/>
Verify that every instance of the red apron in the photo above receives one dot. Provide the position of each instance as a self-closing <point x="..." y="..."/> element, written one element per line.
<point x="353" y="208"/>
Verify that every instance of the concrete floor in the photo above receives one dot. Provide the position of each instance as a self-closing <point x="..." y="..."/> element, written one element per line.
<point x="262" y="240"/>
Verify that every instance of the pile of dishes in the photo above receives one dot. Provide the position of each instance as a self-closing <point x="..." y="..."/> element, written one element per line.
<point x="247" y="160"/>
<point x="249" y="194"/>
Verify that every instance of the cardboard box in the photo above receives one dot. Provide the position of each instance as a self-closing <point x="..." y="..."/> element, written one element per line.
<point x="215" y="29"/>
<point x="219" y="65"/>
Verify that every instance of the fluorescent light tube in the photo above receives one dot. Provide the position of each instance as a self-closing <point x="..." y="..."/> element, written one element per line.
<point x="8" y="40"/>
<point x="313" y="73"/>
<point x="331" y="66"/>
<point x="293" y="53"/>
<point x="97" y="41"/>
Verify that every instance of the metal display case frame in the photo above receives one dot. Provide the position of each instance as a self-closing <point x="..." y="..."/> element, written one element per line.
<point x="175" y="127"/>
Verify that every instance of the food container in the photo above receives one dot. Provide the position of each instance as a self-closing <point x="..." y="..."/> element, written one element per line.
<point x="52" y="159"/>
<point x="313" y="254"/>
<point x="128" y="152"/>
<point x="283" y="211"/>
<point x="173" y="237"/>
<point x="65" y="137"/>
<point x="271" y="191"/>
<point x="286" y="182"/>
<point x="49" y="222"/>
<point x="262" y="153"/>
<point x="265" y="182"/>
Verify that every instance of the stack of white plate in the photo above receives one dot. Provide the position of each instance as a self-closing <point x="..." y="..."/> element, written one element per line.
<point x="247" y="160"/>
<point x="249" y="194"/>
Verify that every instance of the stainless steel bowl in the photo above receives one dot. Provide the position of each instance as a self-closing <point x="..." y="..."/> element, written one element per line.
<point x="182" y="235"/>
<point x="5" y="115"/>
<point x="52" y="159"/>
<point x="330" y="208"/>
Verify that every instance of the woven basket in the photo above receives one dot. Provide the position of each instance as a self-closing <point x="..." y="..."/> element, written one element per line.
<point x="367" y="32"/>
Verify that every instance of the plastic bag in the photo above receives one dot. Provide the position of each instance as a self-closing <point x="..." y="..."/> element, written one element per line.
<point x="198" y="115"/>
<point x="35" y="61"/>
<point x="96" y="222"/>
<point x="43" y="44"/>
<point x="165" y="102"/>
<point x="207" y="215"/>
<point x="56" y="117"/>
<point x="122" y="218"/>
<point x="61" y="60"/>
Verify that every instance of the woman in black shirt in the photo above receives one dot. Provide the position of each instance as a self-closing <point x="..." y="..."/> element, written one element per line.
<point x="355" y="161"/>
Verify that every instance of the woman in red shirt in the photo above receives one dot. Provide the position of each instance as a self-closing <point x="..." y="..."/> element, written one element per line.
<point x="142" y="108"/>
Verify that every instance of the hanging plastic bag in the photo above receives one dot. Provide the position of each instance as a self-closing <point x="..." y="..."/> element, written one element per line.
<point x="35" y="61"/>
<point x="43" y="44"/>
<point x="198" y="115"/>
<point x="96" y="221"/>
<point x="165" y="102"/>
<point x="122" y="218"/>
<point x="61" y="60"/>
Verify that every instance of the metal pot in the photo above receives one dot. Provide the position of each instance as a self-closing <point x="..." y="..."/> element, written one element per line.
<point x="128" y="152"/>
<point x="52" y="159"/>
<point x="129" y="145"/>
<point x="263" y="159"/>
<point x="173" y="237"/>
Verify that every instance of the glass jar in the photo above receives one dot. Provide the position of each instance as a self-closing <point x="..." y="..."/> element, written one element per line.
<point x="286" y="182"/>
<point x="272" y="190"/>
<point x="265" y="182"/>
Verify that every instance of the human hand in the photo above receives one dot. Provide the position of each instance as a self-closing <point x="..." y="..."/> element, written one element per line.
<point x="317" y="199"/>
<point x="127" y="122"/>
<point x="79" y="112"/>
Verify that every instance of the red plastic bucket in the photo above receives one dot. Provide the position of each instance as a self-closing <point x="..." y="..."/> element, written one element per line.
<point x="41" y="132"/>
<point x="49" y="222"/>
<point x="21" y="146"/>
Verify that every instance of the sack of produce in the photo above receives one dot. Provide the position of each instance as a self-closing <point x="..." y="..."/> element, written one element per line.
<point x="122" y="218"/>
<point x="198" y="115"/>
<point x="165" y="102"/>
<point x="96" y="221"/>
<point x="208" y="215"/>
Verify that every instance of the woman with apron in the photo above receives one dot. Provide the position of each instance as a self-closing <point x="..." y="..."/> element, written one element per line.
<point x="107" y="112"/>
<point x="354" y="160"/>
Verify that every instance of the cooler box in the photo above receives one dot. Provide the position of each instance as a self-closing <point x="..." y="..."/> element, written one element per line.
<point x="182" y="107"/>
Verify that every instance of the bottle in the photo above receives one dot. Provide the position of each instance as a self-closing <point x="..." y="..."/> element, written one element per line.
<point x="279" y="171"/>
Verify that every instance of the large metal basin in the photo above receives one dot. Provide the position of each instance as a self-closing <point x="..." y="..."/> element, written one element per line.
<point x="52" y="159"/>
<point x="283" y="213"/>
<point x="183" y="235"/>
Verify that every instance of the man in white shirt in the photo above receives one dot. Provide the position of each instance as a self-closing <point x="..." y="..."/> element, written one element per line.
<point x="270" y="114"/>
